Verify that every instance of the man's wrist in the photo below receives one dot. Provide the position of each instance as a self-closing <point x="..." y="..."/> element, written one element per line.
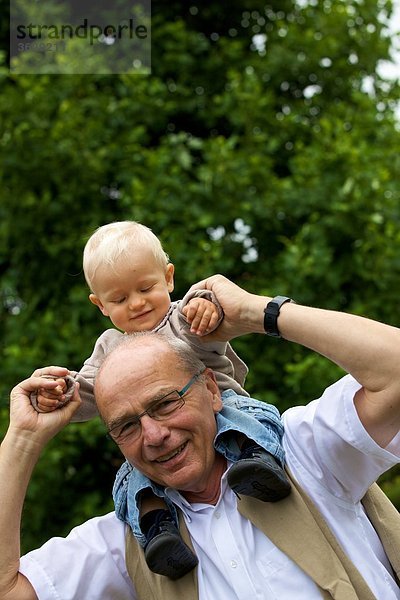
<point x="23" y="440"/>
<point x="21" y="451"/>
<point x="253" y="314"/>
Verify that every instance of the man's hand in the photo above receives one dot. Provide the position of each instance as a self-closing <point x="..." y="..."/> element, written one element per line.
<point x="25" y="421"/>
<point x="243" y="312"/>
<point x="202" y="315"/>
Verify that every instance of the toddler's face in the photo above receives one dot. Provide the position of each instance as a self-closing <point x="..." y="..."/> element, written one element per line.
<point x="134" y="294"/>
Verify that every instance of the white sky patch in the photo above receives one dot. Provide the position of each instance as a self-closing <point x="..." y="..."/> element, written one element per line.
<point x="391" y="69"/>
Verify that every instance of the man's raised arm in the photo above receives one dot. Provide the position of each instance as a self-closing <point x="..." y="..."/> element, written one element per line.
<point x="28" y="433"/>
<point x="368" y="350"/>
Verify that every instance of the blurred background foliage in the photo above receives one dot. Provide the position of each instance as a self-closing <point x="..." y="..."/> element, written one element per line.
<point x="264" y="146"/>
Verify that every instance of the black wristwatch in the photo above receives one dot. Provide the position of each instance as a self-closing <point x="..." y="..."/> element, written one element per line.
<point x="271" y="314"/>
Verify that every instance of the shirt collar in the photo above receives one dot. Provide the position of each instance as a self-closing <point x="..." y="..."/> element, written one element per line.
<point x="187" y="507"/>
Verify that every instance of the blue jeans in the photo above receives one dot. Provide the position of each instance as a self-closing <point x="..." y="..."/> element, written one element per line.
<point x="258" y="421"/>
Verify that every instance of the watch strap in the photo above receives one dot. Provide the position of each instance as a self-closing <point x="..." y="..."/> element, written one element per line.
<point x="271" y="314"/>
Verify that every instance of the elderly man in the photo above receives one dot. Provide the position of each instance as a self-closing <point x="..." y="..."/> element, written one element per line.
<point x="333" y="537"/>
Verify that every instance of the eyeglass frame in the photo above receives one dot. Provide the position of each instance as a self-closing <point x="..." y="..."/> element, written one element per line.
<point x="137" y="418"/>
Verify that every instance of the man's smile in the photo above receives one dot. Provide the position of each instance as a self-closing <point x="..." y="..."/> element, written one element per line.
<point x="167" y="457"/>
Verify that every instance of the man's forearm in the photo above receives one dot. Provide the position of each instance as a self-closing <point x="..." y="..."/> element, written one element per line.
<point x="28" y="434"/>
<point x="17" y="460"/>
<point x="369" y="350"/>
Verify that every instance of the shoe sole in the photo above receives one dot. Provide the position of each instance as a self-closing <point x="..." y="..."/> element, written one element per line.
<point x="169" y="556"/>
<point x="264" y="485"/>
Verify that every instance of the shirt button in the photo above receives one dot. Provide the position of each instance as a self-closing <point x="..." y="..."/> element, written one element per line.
<point x="234" y="564"/>
<point x="217" y="515"/>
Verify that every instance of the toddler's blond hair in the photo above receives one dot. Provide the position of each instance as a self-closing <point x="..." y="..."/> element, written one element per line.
<point x="119" y="239"/>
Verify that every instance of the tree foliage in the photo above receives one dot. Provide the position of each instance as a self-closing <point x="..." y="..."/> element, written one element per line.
<point x="272" y="159"/>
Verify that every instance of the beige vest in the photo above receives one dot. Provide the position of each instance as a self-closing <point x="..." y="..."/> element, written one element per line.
<point x="296" y="527"/>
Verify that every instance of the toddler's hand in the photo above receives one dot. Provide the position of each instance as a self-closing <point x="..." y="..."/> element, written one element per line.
<point x="49" y="400"/>
<point x="202" y="315"/>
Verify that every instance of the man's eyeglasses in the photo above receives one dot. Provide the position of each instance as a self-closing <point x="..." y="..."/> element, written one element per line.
<point x="161" y="410"/>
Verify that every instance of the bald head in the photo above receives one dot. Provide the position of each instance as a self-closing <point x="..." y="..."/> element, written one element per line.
<point x="139" y="353"/>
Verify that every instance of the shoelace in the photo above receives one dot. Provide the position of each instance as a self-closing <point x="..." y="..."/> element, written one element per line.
<point x="161" y="517"/>
<point x="250" y="451"/>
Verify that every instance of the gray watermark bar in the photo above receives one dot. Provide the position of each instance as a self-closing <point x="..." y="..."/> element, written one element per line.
<point x="84" y="37"/>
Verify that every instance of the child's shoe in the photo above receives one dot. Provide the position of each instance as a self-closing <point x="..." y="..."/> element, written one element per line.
<point x="258" y="474"/>
<point x="165" y="551"/>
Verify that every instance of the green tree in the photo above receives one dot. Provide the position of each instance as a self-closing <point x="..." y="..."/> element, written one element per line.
<point x="263" y="158"/>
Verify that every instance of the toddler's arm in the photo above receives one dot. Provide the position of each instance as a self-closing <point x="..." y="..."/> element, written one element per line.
<point x="218" y="355"/>
<point x="85" y="377"/>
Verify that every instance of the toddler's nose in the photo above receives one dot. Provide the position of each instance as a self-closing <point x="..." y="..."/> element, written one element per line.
<point x="136" y="302"/>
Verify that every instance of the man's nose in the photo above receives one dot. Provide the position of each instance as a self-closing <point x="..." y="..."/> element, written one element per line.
<point x="153" y="432"/>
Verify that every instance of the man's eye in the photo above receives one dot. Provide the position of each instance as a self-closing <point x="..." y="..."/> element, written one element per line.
<point x="165" y="406"/>
<point x="127" y="428"/>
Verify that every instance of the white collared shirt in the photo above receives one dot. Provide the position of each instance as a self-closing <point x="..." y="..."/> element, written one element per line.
<point x="236" y="560"/>
<point x="324" y="442"/>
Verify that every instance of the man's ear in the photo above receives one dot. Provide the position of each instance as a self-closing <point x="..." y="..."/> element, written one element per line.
<point x="213" y="388"/>
<point x="97" y="302"/>
<point x="169" y="277"/>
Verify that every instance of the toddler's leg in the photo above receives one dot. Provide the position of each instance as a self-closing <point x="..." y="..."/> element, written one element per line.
<point x="257" y="428"/>
<point x="165" y="551"/>
<point x="153" y="522"/>
<point x="258" y="474"/>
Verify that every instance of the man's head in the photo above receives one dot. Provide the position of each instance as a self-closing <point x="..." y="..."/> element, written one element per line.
<point x="176" y="451"/>
<point x="129" y="274"/>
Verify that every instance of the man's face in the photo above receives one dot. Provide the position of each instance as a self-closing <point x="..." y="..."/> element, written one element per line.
<point x="177" y="452"/>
